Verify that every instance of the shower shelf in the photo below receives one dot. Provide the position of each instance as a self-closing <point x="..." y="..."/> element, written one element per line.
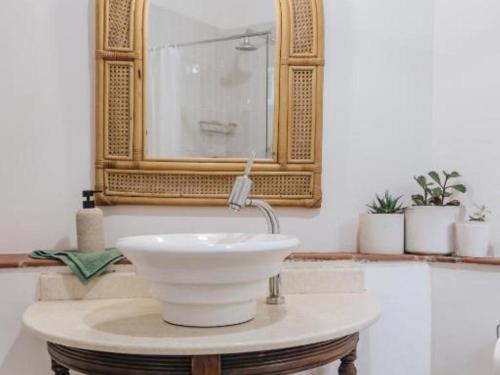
<point x="218" y="127"/>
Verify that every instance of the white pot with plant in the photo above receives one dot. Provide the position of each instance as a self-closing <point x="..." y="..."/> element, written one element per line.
<point x="381" y="230"/>
<point x="473" y="236"/>
<point x="430" y="223"/>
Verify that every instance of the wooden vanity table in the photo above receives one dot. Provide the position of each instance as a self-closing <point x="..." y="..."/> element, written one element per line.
<point x="128" y="336"/>
<point x="280" y="361"/>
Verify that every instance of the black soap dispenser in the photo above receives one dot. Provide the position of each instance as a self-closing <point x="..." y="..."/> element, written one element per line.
<point x="90" y="225"/>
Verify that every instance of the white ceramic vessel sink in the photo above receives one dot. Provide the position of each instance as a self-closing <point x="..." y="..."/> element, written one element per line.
<point x="208" y="280"/>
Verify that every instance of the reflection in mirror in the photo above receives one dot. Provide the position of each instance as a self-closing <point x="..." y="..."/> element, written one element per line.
<point x="210" y="78"/>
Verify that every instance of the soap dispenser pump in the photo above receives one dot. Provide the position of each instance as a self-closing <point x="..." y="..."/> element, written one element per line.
<point x="90" y="225"/>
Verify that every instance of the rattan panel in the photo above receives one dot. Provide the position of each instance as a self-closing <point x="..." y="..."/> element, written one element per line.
<point x="282" y="185"/>
<point x="119" y="24"/>
<point x="165" y="184"/>
<point x="119" y="109"/>
<point x="302" y="114"/>
<point x="304" y="28"/>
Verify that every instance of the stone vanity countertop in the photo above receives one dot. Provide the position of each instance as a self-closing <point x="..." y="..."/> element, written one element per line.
<point x="135" y="326"/>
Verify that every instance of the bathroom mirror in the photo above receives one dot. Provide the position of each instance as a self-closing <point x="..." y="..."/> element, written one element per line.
<point x="210" y="78"/>
<point x="187" y="89"/>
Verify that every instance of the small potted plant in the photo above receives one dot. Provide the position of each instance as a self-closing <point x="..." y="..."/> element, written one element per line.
<point x="381" y="230"/>
<point x="473" y="236"/>
<point x="430" y="222"/>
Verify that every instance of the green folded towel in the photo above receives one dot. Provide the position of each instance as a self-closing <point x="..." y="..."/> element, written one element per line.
<point x="85" y="266"/>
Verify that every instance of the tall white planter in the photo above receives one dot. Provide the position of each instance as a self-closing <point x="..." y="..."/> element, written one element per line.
<point x="473" y="239"/>
<point x="381" y="233"/>
<point x="431" y="229"/>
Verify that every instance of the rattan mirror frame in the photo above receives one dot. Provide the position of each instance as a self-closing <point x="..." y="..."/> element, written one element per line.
<point x="126" y="176"/>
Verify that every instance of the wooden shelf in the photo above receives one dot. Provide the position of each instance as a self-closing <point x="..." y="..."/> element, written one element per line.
<point x="24" y="261"/>
<point x="392" y="258"/>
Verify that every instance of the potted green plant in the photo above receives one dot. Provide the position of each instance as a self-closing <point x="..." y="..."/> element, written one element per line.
<point x="473" y="236"/>
<point x="381" y="230"/>
<point x="430" y="222"/>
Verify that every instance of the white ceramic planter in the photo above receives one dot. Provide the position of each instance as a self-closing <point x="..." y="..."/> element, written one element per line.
<point x="381" y="233"/>
<point x="430" y="229"/>
<point x="473" y="239"/>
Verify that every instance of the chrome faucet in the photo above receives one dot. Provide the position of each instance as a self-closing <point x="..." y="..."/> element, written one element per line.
<point x="238" y="200"/>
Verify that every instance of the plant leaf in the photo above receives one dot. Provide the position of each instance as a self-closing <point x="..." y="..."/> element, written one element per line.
<point x="418" y="200"/>
<point x="380" y="201"/>
<point x="459" y="187"/>
<point x="436" y="201"/>
<point x="436" y="192"/>
<point x="435" y="176"/>
<point x="422" y="181"/>
<point x="385" y="204"/>
<point x="453" y="174"/>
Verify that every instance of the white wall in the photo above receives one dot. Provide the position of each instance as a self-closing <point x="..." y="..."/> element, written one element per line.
<point x="403" y="291"/>
<point x="466" y="93"/>
<point x="399" y="343"/>
<point x="20" y="352"/>
<point x="379" y="132"/>
<point x="46" y="117"/>
<point x="377" y="115"/>
<point x="465" y="313"/>
<point x="236" y="12"/>
<point x="378" y="85"/>
<point x="453" y="306"/>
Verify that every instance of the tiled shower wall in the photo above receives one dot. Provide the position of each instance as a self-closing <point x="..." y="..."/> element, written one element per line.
<point x="212" y="83"/>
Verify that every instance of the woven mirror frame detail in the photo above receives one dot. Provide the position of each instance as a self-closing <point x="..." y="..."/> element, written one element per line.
<point x="305" y="27"/>
<point x="119" y="110"/>
<point x="205" y="184"/>
<point x="302" y="114"/>
<point x="119" y="21"/>
<point x="127" y="176"/>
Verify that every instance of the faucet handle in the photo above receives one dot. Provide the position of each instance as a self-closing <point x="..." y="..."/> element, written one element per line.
<point x="242" y="186"/>
<point x="250" y="162"/>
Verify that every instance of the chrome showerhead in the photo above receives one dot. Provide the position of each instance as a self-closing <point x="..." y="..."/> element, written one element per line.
<point x="246" y="45"/>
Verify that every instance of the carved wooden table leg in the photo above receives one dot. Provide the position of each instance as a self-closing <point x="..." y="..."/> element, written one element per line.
<point x="347" y="366"/>
<point x="59" y="369"/>
<point x="206" y="365"/>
